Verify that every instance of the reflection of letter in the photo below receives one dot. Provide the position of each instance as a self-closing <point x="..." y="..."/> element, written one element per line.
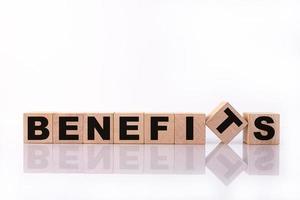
<point x="261" y="159"/>
<point x="225" y="163"/>
<point x="159" y="158"/>
<point x="67" y="157"/>
<point x="98" y="158"/>
<point x="189" y="159"/>
<point x="37" y="157"/>
<point x="128" y="158"/>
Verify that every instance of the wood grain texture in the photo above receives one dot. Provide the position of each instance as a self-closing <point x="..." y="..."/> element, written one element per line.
<point x="49" y="140"/>
<point x="139" y="131"/>
<point x="78" y="133"/>
<point x="249" y="136"/>
<point x="97" y="137"/>
<point x="218" y="116"/>
<point x="198" y="131"/>
<point x="164" y="136"/>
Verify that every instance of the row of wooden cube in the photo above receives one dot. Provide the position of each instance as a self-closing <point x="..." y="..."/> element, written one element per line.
<point x="173" y="133"/>
<point x="152" y="128"/>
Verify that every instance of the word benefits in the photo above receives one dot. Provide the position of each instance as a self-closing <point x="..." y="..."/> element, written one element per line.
<point x="150" y="128"/>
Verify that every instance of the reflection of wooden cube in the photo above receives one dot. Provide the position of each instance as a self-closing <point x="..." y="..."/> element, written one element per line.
<point x="189" y="159"/>
<point x="38" y="128"/>
<point x="190" y="128"/>
<point x="68" y="158"/>
<point x="225" y="122"/>
<point x="98" y="159"/>
<point x="263" y="128"/>
<point x="67" y="128"/>
<point x="97" y="128"/>
<point x="128" y="128"/>
<point x="38" y="158"/>
<point x="261" y="159"/>
<point x="159" y="128"/>
<point x="159" y="159"/>
<point x="225" y="163"/>
<point x="128" y="159"/>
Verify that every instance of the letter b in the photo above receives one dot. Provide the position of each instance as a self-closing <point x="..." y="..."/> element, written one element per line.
<point x="37" y="128"/>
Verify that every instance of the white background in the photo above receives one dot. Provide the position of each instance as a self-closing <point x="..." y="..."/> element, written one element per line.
<point x="156" y="56"/>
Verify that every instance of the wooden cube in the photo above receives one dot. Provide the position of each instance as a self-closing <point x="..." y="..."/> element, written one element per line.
<point x="67" y="128"/>
<point x="159" y="128"/>
<point x="263" y="128"/>
<point x="225" y="122"/>
<point x="190" y="128"/>
<point x="37" y="128"/>
<point x="128" y="128"/>
<point x="98" y="128"/>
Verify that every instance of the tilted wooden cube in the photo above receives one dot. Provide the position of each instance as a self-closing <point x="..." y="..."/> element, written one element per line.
<point x="263" y="128"/>
<point x="225" y="122"/>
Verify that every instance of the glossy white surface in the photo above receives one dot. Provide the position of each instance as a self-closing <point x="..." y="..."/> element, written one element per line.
<point x="149" y="56"/>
